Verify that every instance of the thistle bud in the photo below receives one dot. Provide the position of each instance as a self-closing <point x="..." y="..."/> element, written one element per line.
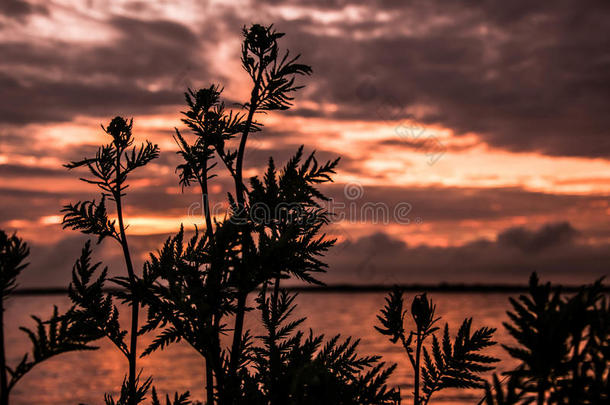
<point x="423" y="311"/>
<point x="120" y="130"/>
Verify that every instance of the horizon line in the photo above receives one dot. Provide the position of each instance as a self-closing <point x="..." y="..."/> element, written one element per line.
<point x="357" y="288"/>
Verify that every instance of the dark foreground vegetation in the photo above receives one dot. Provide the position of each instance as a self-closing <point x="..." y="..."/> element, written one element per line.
<point x="196" y="287"/>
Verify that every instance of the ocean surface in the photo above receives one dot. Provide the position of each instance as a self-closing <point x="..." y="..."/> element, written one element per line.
<point x="84" y="377"/>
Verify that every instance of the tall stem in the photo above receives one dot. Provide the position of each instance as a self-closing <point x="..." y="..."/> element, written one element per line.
<point x="237" y="332"/>
<point x="216" y="362"/>
<point x="3" y="378"/>
<point x="209" y="380"/>
<point x="240" y="194"/>
<point x="239" y="185"/>
<point x="203" y="182"/>
<point x="274" y="358"/>
<point x="416" y="371"/>
<point x="132" y="359"/>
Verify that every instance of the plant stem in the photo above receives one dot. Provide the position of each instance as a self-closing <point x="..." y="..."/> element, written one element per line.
<point x="3" y="378"/>
<point x="216" y="362"/>
<point x="239" y="185"/>
<point x="416" y="371"/>
<point x="203" y="182"/>
<point x="274" y="358"/>
<point x="209" y="379"/>
<point x="240" y="191"/>
<point x="237" y="332"/>
<point x="132" y="358"/>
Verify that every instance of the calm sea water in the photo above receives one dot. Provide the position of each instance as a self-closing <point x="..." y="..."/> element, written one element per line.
<point x="84" y="377"/>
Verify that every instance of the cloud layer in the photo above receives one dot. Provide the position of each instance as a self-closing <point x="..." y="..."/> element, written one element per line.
<point x="516" y="95"/>
<point x="552" y="250"/>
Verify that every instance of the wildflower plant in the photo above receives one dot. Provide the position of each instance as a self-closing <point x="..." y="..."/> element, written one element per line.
<point x="196" y="289"/>
<point x="446" y="362"/>
<point x="109" y="170"/>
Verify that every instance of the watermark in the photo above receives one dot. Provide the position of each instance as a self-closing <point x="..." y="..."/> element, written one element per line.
<point x="409" y="128"/>
<point x="351" y="209"/>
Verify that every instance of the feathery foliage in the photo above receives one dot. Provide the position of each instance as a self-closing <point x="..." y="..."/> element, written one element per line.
<point x="563" y="345"/>
<point x="445" y="363"/>
<point x="274" y="75"/>
<point x="125" y="394"/>
<point x="457" y="364"/>
<point x="93" y="306"/>
<point x="13" y="252"/>
<point x="193" y="287"/>
<point x="183" y="399"/>
<point x="59" y="334"/>
<point x="90" y="218"/>
<point x="109" y="170"/>
<point x="297" y="368"/>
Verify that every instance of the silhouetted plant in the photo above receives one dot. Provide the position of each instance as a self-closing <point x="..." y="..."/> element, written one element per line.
<point x="444" y="364"/>
<point x="109" y="170"/>
<point x="126" y="394"/>
<point x="13" y="252"/>
<point x="564" y="345"/>
<point x="93" y="306"/>
<point x="292" y="368"/>
<point x="496" y="394"/>
<point x="183" y="399"/>
<point x="59" y="334"/>
<point x="271" y="233"/>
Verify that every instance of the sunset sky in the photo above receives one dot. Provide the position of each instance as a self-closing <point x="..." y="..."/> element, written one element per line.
<point x="489" y="119"/>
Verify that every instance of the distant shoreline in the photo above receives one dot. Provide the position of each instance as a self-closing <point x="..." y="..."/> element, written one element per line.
<point x="356" y="288"/>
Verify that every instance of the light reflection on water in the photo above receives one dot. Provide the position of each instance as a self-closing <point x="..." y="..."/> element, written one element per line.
<point x="84" y="377"/>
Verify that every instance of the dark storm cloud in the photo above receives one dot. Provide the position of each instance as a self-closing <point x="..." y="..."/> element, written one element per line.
<point x="440" y="204"/>
<point x="526" y="76"/>
<point x="379" y="258"/>
<point x="13" y="171"/>
<point x="433" y="205"/>
<point x="529" y="241"/>
<point x="20" y="8"/>
<point x="146" y="49"/>
<point x="106" y="79"/>
<point x="29" y="205"/>
<point x="61" y="101"/>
